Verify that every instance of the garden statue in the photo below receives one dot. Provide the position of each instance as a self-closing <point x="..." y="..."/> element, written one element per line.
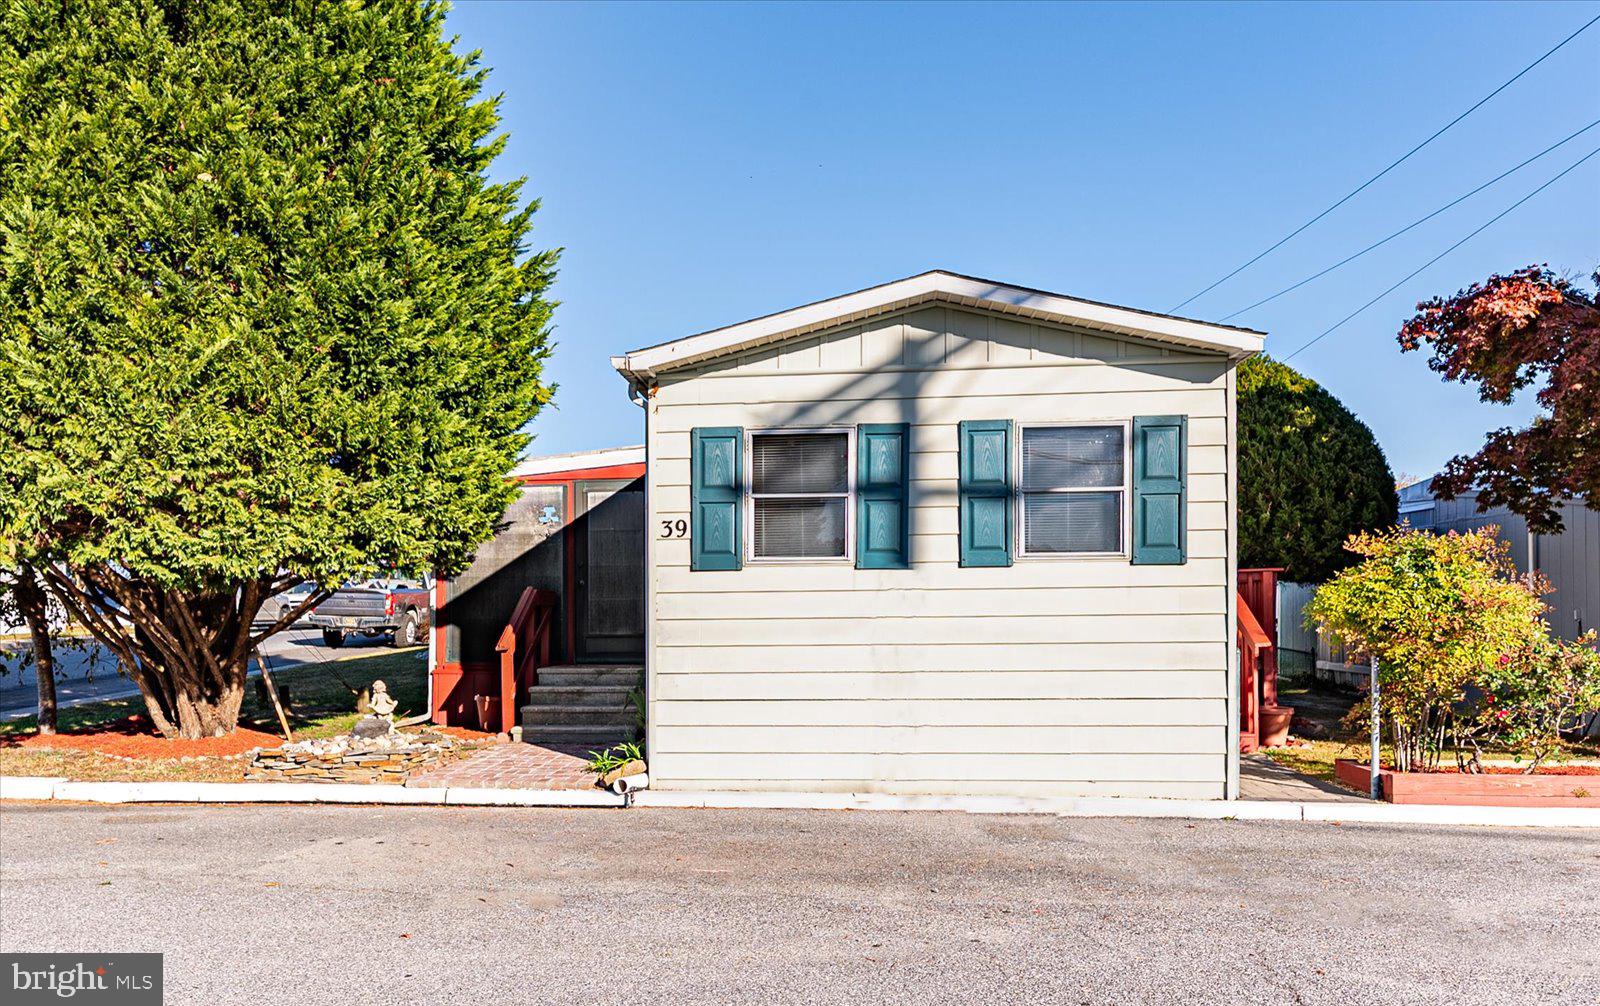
<point x="381" y="720"/>
<point x="382" y="703"/>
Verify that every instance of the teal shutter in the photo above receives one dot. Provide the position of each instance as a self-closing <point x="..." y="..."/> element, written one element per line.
<point x="716" y="488"/>
<point x="1160" y="473"/>
<point x="985" y="492"/>
<point x="882" y="463"/>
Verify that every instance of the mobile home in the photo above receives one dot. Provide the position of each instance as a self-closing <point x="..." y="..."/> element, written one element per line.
<point x="943" y="536"/>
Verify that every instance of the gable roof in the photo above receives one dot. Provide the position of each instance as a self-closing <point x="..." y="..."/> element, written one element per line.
<point x="946" y="287"/>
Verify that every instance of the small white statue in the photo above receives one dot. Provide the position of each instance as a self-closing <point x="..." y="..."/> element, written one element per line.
<point x="383" y="704"/>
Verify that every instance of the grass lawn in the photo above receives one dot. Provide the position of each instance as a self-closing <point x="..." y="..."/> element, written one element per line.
<point x="321" y="699"/>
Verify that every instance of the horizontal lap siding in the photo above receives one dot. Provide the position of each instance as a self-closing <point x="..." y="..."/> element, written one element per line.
<point x="1089" y="677"/>
<point x="688" y="690"/>
<point x="942" y="739"/>
<point x="1020" y="763"/>
<point x="918" y="712"/>
<point x="783" y="652"/>
<point x="951" y="602"/>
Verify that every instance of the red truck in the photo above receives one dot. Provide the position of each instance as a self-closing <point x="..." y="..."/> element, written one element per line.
<point x="397" y="607"/>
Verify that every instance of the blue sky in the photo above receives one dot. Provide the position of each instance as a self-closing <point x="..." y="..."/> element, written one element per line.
<point x="704" y="164"/>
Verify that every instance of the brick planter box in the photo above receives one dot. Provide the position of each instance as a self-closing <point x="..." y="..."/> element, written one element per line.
<point x="1493" y="790"/>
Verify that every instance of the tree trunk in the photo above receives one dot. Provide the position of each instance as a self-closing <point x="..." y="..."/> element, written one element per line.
<point x="189" y="693"/>
<point x="189" y="652"/>
<point x="35" y="608"/>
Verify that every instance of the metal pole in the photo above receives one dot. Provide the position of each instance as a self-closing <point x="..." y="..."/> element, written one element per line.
<point x="1375" y="781"/>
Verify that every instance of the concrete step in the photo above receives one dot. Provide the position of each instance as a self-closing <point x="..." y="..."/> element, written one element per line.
<point x="604" y="696"/>
<point x="541" y="716"/>
<point x="597" y="736"/>
<point x="590" y="674"/>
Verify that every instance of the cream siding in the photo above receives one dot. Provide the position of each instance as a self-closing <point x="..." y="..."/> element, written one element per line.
<point x="1050" y="677"/>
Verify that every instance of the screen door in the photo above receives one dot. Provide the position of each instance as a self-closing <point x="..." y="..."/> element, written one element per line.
<point x="609" y="558"/>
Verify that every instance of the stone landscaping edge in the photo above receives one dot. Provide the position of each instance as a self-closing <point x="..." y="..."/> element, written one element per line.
<point x="44" y="788"/>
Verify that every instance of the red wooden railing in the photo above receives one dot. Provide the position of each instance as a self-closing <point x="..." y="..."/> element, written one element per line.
<point x="524" y="647"/>
<point x="1258" y="590"/>
<point x="1256" y="650"/>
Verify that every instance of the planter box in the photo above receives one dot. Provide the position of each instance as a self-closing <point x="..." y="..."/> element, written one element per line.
<point x="1475" y="790"/>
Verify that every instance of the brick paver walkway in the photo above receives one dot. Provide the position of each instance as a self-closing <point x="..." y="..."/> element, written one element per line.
<point x="514" y="765"/>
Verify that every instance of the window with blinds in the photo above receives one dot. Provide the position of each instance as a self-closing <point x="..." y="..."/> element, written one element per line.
<point x="1073" y="490"/>
<point x="800" y="503"/>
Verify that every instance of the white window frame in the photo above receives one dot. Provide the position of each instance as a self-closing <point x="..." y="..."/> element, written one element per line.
<point x="849" y="496"/>
<point x="1124" y="533"/>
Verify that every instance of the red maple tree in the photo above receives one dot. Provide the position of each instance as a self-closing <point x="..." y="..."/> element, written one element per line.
<point x="1506" y="334"/>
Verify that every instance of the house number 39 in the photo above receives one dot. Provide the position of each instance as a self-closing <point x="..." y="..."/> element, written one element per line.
<point x="675" y="528"/>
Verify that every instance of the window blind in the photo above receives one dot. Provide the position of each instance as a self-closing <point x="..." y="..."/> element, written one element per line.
<point x="799" y="487"/>
<point x="800" y="528"/>
<point x="1073" y="486"/>
<point x="1071" y="457"/>
<point x="800" y="463"/>
<point x="1072" y="522"/>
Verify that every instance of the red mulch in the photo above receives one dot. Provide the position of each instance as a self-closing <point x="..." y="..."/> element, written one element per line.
<point x="461" y="733"/>
<point x="1543" y="770"/>
<point x="135" y="737"/>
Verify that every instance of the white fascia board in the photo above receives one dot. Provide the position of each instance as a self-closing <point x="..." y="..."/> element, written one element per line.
<point x="583" y="459"/>
<point x="950" y="288"/>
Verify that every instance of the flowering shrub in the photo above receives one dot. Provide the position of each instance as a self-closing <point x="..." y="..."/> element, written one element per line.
<point x="1528" y="696"/>
<point x="1439" y="612"/>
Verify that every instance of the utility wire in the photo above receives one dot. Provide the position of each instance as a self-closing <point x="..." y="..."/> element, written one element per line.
<point x="1340" y="323"/>
<point x="1413" y="224"/>
<point x="1352" y="194"/>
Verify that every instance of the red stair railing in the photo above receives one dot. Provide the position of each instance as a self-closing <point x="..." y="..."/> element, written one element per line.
<point x="524" y="647"/>
<point x="1255" y="650"/>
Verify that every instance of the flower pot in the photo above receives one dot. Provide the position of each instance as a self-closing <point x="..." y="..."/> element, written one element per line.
<point x="488" y="712"/>
<point x="1275" y="725"/>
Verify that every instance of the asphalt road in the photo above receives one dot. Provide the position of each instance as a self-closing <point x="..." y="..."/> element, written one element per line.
<point x="438" y="905"/>
<point x="88" y="673"/>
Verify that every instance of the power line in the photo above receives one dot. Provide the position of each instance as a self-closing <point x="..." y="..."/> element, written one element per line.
<point x="1415" y="223"/>
<point x="1352" y="194"/>
<point x="1340" y="323"/>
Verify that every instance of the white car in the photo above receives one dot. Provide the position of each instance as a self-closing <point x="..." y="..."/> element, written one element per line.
<point x="283" y="602"/>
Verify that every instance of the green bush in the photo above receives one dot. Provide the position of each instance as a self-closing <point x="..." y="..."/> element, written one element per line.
<point x="1310" y="474"/>
<point x="1442" y="614"/>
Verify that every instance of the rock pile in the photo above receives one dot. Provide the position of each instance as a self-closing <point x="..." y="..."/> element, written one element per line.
<point x="388" y="758"/>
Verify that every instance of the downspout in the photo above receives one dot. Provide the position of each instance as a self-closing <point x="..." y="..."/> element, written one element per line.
<point x="640" y="396"/>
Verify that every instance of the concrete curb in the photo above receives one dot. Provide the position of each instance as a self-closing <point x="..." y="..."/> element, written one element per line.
<point x="45" y="788"/>
<point x="1253" y="810"/>
<point x="1209" y="810"/>
<point x="21" y="787"/>
<point x="41" y="788"/>
<point x="466" y="796"/>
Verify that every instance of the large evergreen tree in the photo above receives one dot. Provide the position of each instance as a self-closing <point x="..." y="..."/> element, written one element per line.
<point x="1310" y="474"/>
<point x="263" y="316"/>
